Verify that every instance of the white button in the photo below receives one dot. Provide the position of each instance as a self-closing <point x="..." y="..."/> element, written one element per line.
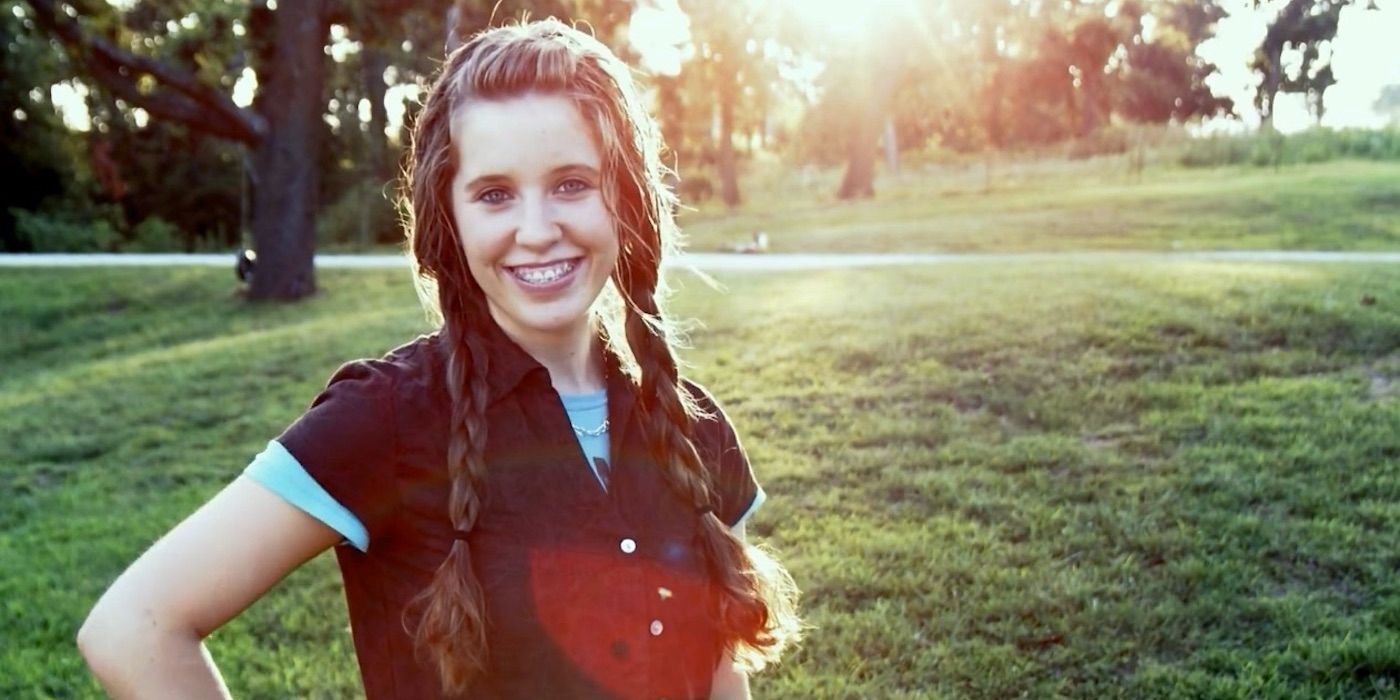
<point x="656" y="628"/>
<point x="628" y="546"/>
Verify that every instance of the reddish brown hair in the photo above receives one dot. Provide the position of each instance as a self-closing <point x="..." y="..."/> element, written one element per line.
<point x="757" y="602"/>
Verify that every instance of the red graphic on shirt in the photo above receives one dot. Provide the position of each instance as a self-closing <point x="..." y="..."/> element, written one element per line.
<point x="619" y="618"/>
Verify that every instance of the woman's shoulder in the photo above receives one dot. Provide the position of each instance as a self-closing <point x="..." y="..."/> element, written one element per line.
<point x="735" y="487"/>
<point x="712" y="427"/>
<point x="701" y="396"/>
<point x="415" y="356"/>
<point x="412" y="363"/>
<point x="398" y="382"/>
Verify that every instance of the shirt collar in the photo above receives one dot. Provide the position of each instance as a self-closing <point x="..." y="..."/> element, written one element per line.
<point x="510" y="365"/>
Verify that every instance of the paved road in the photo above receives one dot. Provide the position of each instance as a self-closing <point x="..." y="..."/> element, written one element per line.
<point x="766" y="262"/>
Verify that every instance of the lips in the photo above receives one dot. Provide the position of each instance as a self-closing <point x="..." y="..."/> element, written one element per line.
<point x="545" y="273"/>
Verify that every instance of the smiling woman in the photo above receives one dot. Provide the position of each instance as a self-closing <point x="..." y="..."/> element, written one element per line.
<point x="533" y="502"/>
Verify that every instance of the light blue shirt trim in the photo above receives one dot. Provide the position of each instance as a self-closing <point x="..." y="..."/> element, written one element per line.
<point x="758" y="498"/>
<point x="279" y="471"/>
<point x="589" y="411"/>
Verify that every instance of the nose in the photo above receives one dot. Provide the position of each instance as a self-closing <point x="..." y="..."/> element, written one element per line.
<point x="538" y="228"/>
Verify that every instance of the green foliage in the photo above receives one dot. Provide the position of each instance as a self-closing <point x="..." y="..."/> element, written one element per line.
<point x="1306" y="28"/>
<point x="1311" y="146"/>
<point x="182" y="177"/>
<point x="154" y="235"/>
<point x="43" y="160"/>
<point x="363" y="216"/>
<point x="64" y="231"/>
<point x="1030" y="479"/>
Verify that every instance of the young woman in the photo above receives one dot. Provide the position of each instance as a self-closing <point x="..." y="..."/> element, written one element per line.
<point x="532" y="502"/>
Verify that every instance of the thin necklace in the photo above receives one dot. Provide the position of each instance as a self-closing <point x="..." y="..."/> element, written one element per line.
<point x="595" y="432"/>
<point x="601" y="429"/>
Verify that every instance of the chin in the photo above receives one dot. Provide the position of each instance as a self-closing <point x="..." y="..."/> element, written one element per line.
<point x="550" y="322"/>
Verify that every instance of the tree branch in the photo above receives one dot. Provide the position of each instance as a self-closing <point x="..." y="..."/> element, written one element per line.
<point x="188" y="100"/>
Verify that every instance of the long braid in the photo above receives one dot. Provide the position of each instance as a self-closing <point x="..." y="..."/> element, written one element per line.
<point x="452" y="625"/>
<point x="756" y="611"/>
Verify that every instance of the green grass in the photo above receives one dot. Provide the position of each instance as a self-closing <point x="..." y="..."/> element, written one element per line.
<point x="1059" y="205"/>
<point x="1047" y="479"/>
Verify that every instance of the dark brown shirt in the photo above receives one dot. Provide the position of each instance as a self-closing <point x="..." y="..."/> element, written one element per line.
<point x="589" y="593"/>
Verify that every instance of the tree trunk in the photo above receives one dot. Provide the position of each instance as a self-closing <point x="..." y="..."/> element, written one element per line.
<point x="891" y="145"/>
<point x="284" y="197"/>
<point x="859" y="180"/>
<point x="671" y="110"/>
<point x="671" y="114"/>
<point x="1266" y="109"/>
<point x="728" y="172"/>
<point x="1092" y="109"/>
<point x="1269" y="87"/>
<point x="872" y="99"/>
<point x="374" y="64"/>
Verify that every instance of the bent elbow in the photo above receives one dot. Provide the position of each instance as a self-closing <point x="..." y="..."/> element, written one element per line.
<point x="109" y="641"/>
<point x="96" y="645"/>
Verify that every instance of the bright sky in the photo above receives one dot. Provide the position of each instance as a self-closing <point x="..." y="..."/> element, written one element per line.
<point x="1364" y="60"/>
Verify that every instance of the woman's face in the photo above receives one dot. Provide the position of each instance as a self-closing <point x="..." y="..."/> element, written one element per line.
<point x="530" y="213"/>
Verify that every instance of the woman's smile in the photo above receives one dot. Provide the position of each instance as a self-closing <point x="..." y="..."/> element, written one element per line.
<point x="549" y="276"/>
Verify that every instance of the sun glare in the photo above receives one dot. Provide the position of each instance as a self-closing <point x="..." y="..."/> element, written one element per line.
<point x="845" y="19"/>
<point x="660" y="32"/>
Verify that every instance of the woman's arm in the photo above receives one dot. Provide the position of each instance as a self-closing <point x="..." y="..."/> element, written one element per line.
<point x="729" y="682"/>
<point x="144" y="637"/>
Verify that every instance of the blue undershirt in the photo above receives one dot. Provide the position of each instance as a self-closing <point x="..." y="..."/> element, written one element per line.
<point x="586" y="413"/>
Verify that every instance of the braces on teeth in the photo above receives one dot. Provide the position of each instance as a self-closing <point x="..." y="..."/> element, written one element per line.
<point x="548" y="274"/>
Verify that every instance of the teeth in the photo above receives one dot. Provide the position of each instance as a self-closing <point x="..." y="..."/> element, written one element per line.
<point x="543" y="275"/>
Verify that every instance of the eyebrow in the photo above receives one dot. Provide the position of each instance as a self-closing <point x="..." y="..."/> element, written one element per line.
<point x="497" y="178"/>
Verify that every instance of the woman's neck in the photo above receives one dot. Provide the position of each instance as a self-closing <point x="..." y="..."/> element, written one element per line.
<point x="573" y="359"/>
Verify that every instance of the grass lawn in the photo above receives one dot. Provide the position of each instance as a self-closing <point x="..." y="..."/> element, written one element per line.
<point x="1055" y="205"/>
<point x="991" y="480"/>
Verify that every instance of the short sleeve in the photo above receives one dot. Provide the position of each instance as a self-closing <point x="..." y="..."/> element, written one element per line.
<point x="347" y="442"/>
<point x="278" y="471"/>
<point x="737" y="491"/>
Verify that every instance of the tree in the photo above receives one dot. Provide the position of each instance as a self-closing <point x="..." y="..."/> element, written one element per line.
<point x="283" y="127"/>
<point x="36" y="148"/>
<point x="1308" y="27"/>
<point x="1092" y="41"/>
<point x="1388" y="103"/>
<point x="866" y="75"/>
<point x="725" y="61"/>
<point x="721" y="73"/>
<point x="1162" y="79"/>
